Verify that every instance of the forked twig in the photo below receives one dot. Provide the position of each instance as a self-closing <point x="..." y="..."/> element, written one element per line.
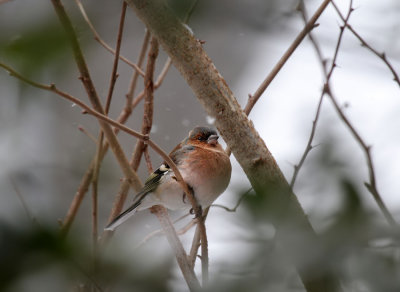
<point x="371" y="186"/>
<point x="111" y="122"/>
<point x="234" y="208"/>
<point x="381" y="56"/>
<point x="101" y="41"/>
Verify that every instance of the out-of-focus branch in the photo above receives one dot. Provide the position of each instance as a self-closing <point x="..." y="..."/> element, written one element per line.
<point x="157" y="232"/>
<point x="87" y="133"/>
<point x="22" y="200"/>
<point x="234" y="208"/>
<point x="102" y="42"/>
<point x="371" y="185"/>
<point x="172" y="237"/>
<point x="381" y="56"/>
<point x="249" y="149"/>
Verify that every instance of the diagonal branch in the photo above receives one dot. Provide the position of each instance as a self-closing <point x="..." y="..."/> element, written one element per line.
<point x="93" y="97"/>
<point x="108" y="121"/>
<point x="271" y="76"/>
<point x="381" y="56"/>
<point x="102" y="42"/>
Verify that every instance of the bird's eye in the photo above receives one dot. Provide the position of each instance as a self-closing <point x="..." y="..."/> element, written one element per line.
<point x="201" y="138"/>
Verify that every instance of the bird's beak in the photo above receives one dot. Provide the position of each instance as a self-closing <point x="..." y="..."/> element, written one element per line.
<point x="213" y="140"/>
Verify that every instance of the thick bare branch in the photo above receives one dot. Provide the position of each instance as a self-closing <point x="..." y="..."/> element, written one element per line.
<point x="249" y="149"/>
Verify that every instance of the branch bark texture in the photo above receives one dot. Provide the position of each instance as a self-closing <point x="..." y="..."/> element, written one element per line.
<point x="210" y="88"/>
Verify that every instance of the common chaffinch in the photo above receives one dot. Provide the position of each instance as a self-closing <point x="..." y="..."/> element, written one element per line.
<point x="204" y="166"/>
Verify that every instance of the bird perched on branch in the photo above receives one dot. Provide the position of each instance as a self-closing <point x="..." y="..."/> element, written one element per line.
<point x="204" y="166"/>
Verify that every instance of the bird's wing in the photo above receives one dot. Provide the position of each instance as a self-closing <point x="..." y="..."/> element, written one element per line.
<point x="178" y="155"/>
<point x="150" y="185"/>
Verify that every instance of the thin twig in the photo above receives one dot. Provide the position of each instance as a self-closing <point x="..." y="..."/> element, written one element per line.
<point x="87" y="133"/>
<point x="116" y="58"/>
<point x="135" y="75"/>
<point x="96" y="170"/>
<point x="327" y="75"/>
<point x="322" y="61"/>
<point x="116" y="124"/>
<point x="310" y="25"/>
<point x="98" y="159"/>
<point x="371" y="186"/>
<point x="302" y="9"/>
<point x="163" y="73"/>
<point x="381" y="56"/>
<point x="84" y="184"/>
<point x="22" y="200"/>
<point x="101" y="41"/>
<point x="160" y="231"/>
<point x="176" y="245"/>
<point x="196" y="243"/>
<point x="264" y="85"/>
<point x="93" y="97"/>
<point x="237" y="203"/>
<point x="148" y="104"/>
<point x="140" y="144"/>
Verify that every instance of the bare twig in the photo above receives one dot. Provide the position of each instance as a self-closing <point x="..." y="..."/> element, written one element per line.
<point x="381" y="56"/>
<point x="309" y="26"/>
<point x="101" y="41"/>
<point x="176" y="245"/>
<point x="237" y="203"/>
<point x="211" y="89"/>
<point x="116" y="58"/>
<point x="146" y="127"/>
<point x="163" y="73"/>
<point x="302" y="9"/>
<point x="160" y="231"/>
<point x="327" y="75"/>
<point x="22" y="200"/>
<point x="84" y="185"/>
<point x="196" y="244"/>
<point x="87" y="133"/>
<point x="264" y="85"/>
<point x="318" y="51"/>
<point x="148" y="104"/>
<point x="122" y="127"/>
<point x="135" y="75"/>
<point x="195" y="248"/>
<point x="98" y="158"/>
<point x="92" y="94"/>
<point x="371" y="186"/>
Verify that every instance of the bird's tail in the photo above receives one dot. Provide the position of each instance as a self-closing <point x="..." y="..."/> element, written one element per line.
<point x="121" y="218"/>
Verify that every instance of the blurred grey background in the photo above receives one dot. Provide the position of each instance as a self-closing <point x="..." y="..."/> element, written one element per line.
<point x="45" y="154"/>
